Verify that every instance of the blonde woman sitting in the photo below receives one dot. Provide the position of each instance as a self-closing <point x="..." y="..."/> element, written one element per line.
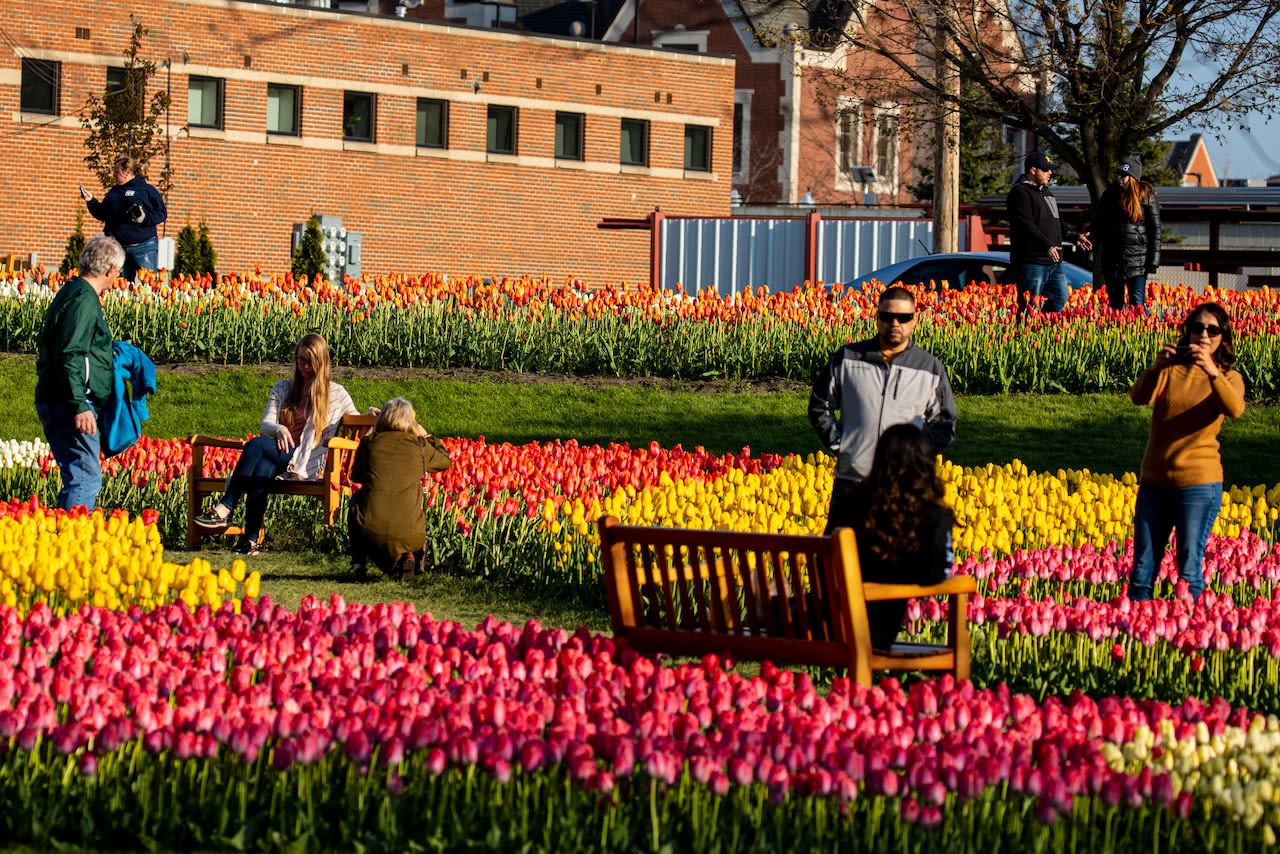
<point x="386" y="520"/>
<point x="302" y="414"/>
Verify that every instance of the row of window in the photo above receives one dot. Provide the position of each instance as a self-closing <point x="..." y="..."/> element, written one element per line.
<point x="205" y="109"/>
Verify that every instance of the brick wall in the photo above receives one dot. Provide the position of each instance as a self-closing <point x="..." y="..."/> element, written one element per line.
<point x="456" y="210"/>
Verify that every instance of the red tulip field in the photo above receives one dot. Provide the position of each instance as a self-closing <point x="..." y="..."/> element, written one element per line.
<point x="153" y="704"/>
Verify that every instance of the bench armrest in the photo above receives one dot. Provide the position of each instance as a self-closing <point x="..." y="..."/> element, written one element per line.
<point x="338" y="443"/>
<point x="873" y="592"/>
<point x="214" y="441"/>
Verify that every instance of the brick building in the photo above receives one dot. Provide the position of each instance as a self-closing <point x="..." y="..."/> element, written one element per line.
<point x="449" y="148"/>
<point x="798" y="126"/>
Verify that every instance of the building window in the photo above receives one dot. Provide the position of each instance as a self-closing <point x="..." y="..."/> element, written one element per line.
<point x="848" y="140"/>
<point x="569" y="136"/>
<point x="681" y="39"/>
<point x="500" y="133"/>
<point x="886" y="147"/>
<point x="697" y="148"/>
<point x="41" y="80"/>
<point x="125" y="98"/>
<point x="204" y="102"/>
<point x="635" y="142"/>
<point x="741" y="134"/>
<point x="358" y="116"/>
<point x="284" y="109"/>
<point x="433" y="123"/>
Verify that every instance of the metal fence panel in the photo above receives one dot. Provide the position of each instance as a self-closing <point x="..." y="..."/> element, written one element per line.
<point x="851" y="248"/>
<point x="733" y="253"/>
<point x="738" y="252"/>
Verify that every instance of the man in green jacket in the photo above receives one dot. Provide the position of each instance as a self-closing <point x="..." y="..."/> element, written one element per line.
<point x="74" y="372"/>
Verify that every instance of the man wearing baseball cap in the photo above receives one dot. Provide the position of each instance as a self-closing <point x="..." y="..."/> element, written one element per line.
<point x="1035" y="236"/>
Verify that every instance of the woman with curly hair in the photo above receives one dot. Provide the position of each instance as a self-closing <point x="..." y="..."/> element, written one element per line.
<point x="903" y="524"/>
<point x="1191" y="386"/>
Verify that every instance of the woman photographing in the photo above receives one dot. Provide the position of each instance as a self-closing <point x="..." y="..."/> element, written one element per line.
<point x="1191" y="387"/>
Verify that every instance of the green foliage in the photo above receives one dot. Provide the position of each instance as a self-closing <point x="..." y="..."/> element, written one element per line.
<point x="125" y="121"/>
<point x="309" y="258"/>
<point x="194" y="255"/>
<point x="75" y="245"/>
<point x="987" y="162"/>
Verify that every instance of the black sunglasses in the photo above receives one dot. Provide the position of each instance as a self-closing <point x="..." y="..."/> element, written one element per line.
<point x="903" y="317"/>
<point x="1198" y="328"/>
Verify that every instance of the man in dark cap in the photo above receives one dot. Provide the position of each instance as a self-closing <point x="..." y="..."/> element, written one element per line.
<point x="1035" y="236"/>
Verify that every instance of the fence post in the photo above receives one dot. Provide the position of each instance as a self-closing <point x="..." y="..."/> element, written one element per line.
<point x="655" y="248"/>
<point x="811" y="247"/>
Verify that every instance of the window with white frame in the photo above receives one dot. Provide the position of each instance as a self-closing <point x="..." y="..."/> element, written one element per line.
<point x="885" y="148"/>
<point x="848" y="141"/>
<point x="682" y="39"/>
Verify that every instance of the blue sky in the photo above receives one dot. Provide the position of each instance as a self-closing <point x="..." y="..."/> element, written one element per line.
<point x="1237" y="155"/>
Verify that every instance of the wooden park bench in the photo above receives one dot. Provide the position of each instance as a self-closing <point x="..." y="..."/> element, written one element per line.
<point x="794" y="600"/>
<point x="329" y="488"/>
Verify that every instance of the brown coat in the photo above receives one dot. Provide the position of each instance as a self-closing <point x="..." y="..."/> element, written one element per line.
<point x="387" y="511"/>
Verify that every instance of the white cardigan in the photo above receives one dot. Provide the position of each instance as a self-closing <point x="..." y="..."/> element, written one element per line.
<point x="308" y="457"/>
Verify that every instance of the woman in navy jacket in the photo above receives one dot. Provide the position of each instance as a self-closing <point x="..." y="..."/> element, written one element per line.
<point x="130" y="212"/>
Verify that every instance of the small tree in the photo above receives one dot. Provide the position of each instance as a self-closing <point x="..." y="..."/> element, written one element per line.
<point x="75" y="245"/>
<point x="124" y="121"/>
<point x="308" y="256"/>
<point x="194" y="254"/>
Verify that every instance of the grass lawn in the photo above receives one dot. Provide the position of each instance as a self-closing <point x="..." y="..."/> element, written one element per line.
<point x="1103" y="433"/>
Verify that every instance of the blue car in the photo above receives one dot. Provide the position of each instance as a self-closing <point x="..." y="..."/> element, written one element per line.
<point x="956" y="271"/>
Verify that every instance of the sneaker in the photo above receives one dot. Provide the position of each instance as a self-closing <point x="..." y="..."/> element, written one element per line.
<point x="248" y="547"/>
<point x="212" y="519"/>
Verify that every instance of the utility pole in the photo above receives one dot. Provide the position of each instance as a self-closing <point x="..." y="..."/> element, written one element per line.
<point x="946" y="155"/>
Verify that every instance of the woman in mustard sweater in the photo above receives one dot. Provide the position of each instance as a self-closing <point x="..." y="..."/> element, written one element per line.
<point x="1192" y="387"/>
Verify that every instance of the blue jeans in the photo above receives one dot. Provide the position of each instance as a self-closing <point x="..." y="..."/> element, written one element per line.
<point x="1047" y="280"/>
<point x="140" y="256"/>
<point x="252" y="477"/>
<point x="1136" y="285"/>
<point x="1192" y="510"/>
<point x="76" y="453"/>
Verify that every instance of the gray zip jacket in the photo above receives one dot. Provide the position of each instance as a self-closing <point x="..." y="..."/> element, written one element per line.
<point x="872" y="396"/>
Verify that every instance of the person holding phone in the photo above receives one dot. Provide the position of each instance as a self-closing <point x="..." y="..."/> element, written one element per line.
<point x="1191" y="386"/>
<point x="130" y="212"/>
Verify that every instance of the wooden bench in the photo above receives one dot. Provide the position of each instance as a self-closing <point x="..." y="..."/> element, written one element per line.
<point x="329" y="488"/>
<point x="794" y="600"/>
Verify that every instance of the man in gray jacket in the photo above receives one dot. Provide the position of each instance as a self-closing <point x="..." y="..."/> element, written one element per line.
<point x="873" y="385"/>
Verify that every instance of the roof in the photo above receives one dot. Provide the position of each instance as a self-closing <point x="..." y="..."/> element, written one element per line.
<point x="1183" y="203"/>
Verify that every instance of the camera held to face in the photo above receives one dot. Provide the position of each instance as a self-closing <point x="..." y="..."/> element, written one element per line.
<point x="136" y="214"/>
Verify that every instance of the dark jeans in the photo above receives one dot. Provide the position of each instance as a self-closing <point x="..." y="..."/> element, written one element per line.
<point x="1135" y="285"/>
<point x="76" y="454"/>
<point x="252" y="479"/>
<point x="1192" y="510"/>
<point x="1047" y="280"/>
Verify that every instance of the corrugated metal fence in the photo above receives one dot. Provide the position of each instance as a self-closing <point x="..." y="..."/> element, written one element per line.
<point x="779" y="252"/>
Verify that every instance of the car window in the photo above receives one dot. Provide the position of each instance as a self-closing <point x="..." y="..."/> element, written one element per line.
<point x="950" y="275"/>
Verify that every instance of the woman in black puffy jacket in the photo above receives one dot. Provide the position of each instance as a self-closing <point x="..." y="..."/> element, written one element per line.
<point x="1126" y="232"/>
